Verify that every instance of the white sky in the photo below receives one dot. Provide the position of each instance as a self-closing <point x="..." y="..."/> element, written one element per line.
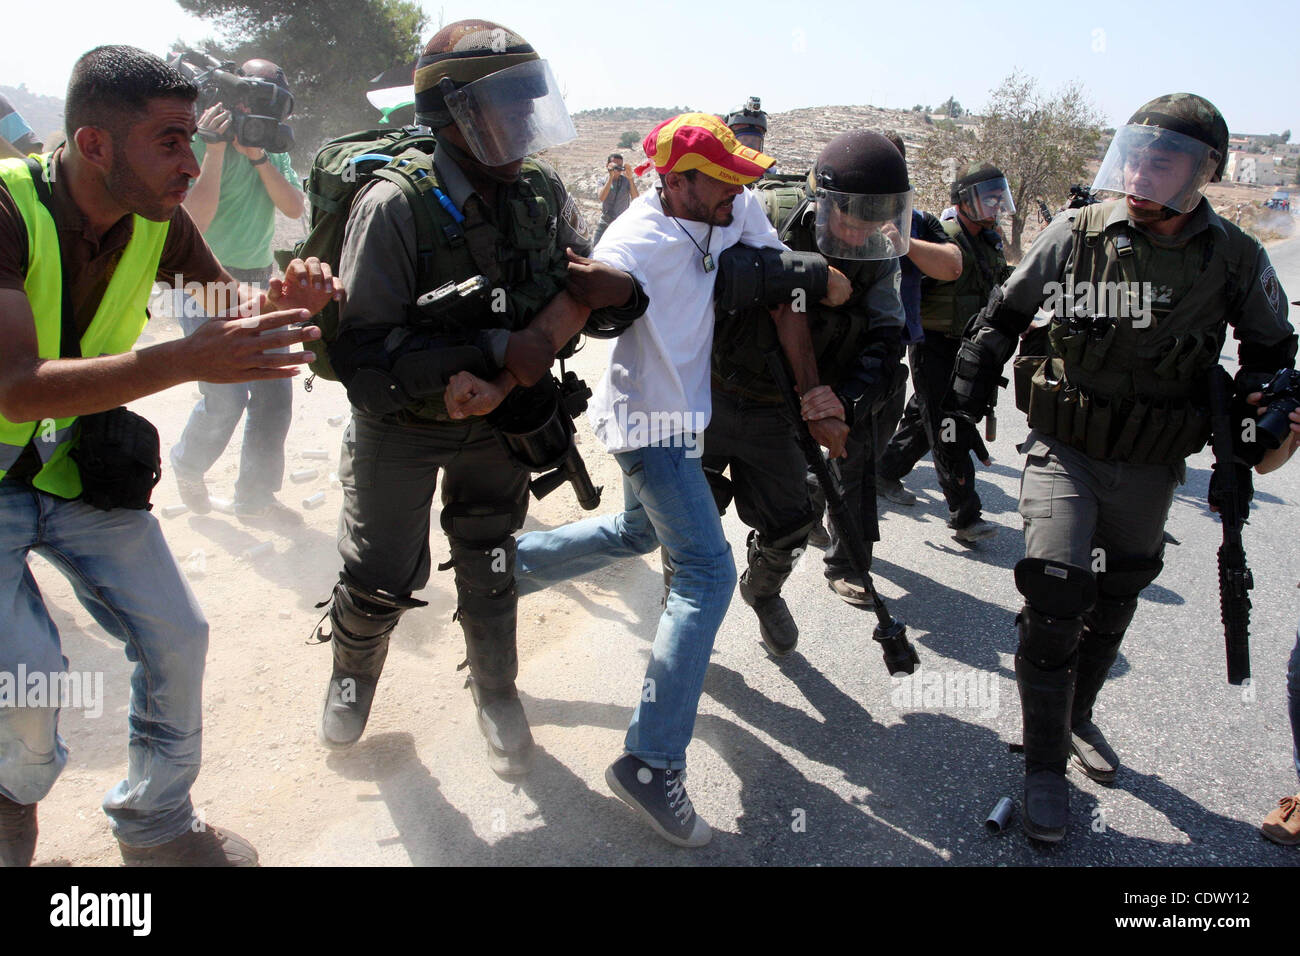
<point x="796" y="54"/>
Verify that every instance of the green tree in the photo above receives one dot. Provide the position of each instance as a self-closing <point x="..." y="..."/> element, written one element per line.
<point x="951" y="108"/>
<point x="1042" y="143"/>
<point x="629" y="139"/>
<point x="328" y="49"/>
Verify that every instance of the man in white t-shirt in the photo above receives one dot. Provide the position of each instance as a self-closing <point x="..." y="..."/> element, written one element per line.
<point x="650" y="410"/>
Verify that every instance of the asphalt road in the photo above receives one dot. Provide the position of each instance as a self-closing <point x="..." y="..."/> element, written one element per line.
<point x="823" y="759"/>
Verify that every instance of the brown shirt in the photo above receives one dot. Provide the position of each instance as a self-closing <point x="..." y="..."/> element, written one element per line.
<point x="90" y="261"/>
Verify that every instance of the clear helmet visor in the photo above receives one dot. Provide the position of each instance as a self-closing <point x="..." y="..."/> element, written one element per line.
<point x="863" y="226"/>
<point x="989" y="200"/>
<point x="1159" y="165"/>
<point x="512" y="113"/>
<point x="750" y="136"/>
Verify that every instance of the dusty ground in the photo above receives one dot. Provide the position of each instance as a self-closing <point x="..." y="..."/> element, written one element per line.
<point x="264" y="774"/>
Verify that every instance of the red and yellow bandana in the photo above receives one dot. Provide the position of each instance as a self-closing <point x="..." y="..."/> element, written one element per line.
<point x="702" y="141"/>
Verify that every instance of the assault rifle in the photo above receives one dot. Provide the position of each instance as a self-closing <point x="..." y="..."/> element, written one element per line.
<point x="1235" y="579"/>
<point x="900" y="655"/>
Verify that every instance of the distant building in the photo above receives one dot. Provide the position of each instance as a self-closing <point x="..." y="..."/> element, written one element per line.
<point x="1253" y="169"/>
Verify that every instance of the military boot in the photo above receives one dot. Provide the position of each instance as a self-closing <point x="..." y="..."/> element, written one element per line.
<point x="1088" y="747"/>
<point x="760" y="588"/>
<point x="358" y="662"/>
<point x="1045" y="698"/>
<point x="361" y="622"/>
<point x="490" y="646"/>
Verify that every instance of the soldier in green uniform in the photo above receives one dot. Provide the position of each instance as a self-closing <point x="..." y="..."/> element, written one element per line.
<point x="1142" y="290"/>
<point x="490" y="102"/>
<point x="858" y="216"/>
<point x="980" y="195"/>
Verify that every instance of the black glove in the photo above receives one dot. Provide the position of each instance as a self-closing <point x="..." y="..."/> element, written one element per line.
<point x="1245" y="488"/>
<point x="977" y="372"/>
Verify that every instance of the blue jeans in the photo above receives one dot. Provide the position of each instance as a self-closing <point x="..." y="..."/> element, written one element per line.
<point x="1293" y="699"/>
<point x="269" y="404"/>
<point x="666" y="500"/>
<point x="125" y="576"/>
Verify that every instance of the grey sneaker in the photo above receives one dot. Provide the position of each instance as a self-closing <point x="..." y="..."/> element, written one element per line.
<point x="895" y="492"/>
<point x="977" y="530"/>
<point x="194" y="493"/>
<point x="660" y="797"/>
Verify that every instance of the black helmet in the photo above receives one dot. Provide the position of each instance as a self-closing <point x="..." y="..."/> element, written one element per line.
<point x="861" y="162"/>
<point x="863" y="198"/>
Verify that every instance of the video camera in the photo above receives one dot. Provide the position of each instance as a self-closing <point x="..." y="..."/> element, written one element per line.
<point x="258" y="108"/>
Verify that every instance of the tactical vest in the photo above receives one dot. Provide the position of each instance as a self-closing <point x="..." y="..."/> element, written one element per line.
<point x="521" y="258"/>
<point x="741" y="340"/>
<point x="1125" y="382"/>
<point x="119" y="319"/>
<point x="947" y="306"/>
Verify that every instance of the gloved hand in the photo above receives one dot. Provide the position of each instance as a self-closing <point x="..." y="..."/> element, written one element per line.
<point x="1245" y="489"/>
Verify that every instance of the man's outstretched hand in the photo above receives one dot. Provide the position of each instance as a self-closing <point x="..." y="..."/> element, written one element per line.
<point x="307" y="284"/>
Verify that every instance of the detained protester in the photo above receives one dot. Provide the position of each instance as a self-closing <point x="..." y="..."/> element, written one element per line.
<point x="649" y="411"/>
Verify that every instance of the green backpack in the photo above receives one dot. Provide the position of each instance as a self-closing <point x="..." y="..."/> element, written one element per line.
<point x="341" y="168"/>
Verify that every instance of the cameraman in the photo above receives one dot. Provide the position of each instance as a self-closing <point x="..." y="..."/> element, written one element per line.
<point x="233" y="202"/>
<point x="616" y="195"/>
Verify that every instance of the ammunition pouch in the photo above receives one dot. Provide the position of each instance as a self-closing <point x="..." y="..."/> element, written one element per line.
<point x="117" y="454"/>
<point x="768" y="277"/>
<point x="1139" y="429"/>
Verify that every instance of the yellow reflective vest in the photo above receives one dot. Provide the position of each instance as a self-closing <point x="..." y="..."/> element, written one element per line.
<point x="118" y="321"/>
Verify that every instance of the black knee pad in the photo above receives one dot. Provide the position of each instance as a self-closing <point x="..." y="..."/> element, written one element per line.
<point x="1048" y="642"/>
<point x="367" y="612"/>
<point x="484" y="524"/>
<point x="1055" y="589"/>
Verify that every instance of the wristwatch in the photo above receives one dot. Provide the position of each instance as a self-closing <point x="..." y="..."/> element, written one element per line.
<point x="258" y="162"/>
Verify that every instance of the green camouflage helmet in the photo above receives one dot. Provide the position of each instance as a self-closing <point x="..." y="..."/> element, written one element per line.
<point x="1190" y="115"/>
